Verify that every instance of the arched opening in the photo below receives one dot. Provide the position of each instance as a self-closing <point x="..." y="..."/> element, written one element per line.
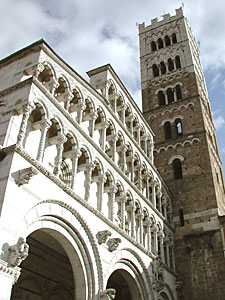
<point x="178" y="127"/>
<point x="167" y="130"/>
<point x="167" y="40"/>
<point x="160" y="43"/>
<point x="170" y="95"/>
<point x="174" y="38"/>
<point x="161" y="98"/>
<point x="178" y="92"/>
<point x="124" y="284"/>
<point x="153" y="46"/>
<point x="47" y="272"/>
<point x="177" y="169"/>
<point x="170" y="65"/>
<point x="163" y="68"/>
<point x="177" y="62"/>
<point x="155" y="70"/>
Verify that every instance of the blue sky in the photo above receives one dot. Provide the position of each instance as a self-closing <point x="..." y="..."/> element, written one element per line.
<point x="88" y="34"/>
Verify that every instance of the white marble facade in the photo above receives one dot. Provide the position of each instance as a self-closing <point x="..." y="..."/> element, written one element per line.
<point x="77" y="167"/>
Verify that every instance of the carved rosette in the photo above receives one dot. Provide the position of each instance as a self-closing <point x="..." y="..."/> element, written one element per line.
<point x="113" y="244"/>
<point x="102" y="236"/>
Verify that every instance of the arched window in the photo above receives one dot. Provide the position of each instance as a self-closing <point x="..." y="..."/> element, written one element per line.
<point x="181" y="217"/>
<point x="170" y="65"/>
<point x="153" y="46"/>
<point x="177" y="62"/>
<point x="174" y="38"/>
<point x="160" y="43"/>
<point x="163" y="68"/>
<point x="178" y="126"/>
<point x="155" y="70"/>
<point x="167" y="40"/>
<point x="161" y="98"/>
<point x="167" y="130"/>
<point x="177" y="168"/>
<point x="178" y="92"/>
<point x="170" y="95"/>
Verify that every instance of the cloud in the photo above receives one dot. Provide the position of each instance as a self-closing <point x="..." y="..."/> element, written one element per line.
<point x="219" y="122"/>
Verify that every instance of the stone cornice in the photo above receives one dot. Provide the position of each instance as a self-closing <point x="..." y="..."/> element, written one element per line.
<point x="15" y="87"/>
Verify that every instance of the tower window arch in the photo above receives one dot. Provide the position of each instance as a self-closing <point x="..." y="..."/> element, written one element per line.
<point x="177" y="62"/>
<point x="167" y="40"/>
<point x="167" y="130"/>
<point x="170" y="95"/>
<point x="153" y="46"/>
<point x="178" y="127"/>
<point x="170" y="65"/>
<point x="174" y="38"/>
<point x="178" y="92"/>
<point x="163" y="68"/>
<point x="155" y="70"/>
<point x="161" y="98"/>
<point x="160" y="43"/>
<point x="177" y="169"/>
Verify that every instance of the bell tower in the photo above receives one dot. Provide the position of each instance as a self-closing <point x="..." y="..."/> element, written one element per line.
<point x="176" y="105"/>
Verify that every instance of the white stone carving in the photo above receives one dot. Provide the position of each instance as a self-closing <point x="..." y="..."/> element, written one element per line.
<point x="108" y="294"/>
<point x="113" y="244"/>
<point x="102" y="236"/>
<point x="18" y="252"/>
<point x="25" y="175"/>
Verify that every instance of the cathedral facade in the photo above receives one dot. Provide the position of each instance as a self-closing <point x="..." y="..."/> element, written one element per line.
<point x="98" y="199"/>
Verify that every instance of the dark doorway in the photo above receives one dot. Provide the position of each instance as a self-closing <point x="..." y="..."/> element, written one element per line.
<point x="46" y="273"/>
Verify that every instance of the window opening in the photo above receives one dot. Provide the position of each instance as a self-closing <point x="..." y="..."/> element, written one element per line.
<point x="177" y="169"/>
<point x="161" y="98"/>
<point x="167" y="130"/>
<point x="174" y="38"/>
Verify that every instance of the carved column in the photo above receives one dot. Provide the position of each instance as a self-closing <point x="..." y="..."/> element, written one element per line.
<point x="39" y="69"/>
<point x="100" y="184"/>
<point x="147" y="186"/>
<point x="103" y="135"/>
<point x="121" y="200"/>
<point x="58" y="160"/>
<point x="138" y="134"/>
<point x="81" y="107"/>
<point x="45" y="124"/>
<point x="153" y="185"/>
<point x="88" y="172"/>
<point x="55" y="85"/>
<point x="161" y="237"/>
<point x="91" y="126"/>
<point x="159" y="196"/>
<point x="27" y="109"/>
<point x="77" y="153"/>
<point x="123" y="113"/>
<point x="153" y="244"/>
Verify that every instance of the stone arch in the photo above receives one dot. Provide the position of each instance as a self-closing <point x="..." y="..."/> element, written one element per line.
<point x="134" y="266"/>
<point x="74" y="236"/>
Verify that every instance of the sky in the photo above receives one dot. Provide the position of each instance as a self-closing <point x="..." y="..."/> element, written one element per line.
<point x="88" y="34"/>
